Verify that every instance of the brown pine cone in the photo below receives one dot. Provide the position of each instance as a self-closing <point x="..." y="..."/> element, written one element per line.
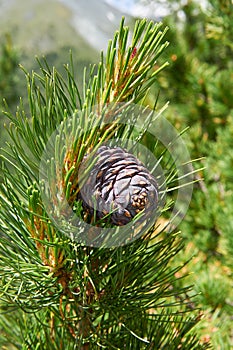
<point x="118" y="187"/>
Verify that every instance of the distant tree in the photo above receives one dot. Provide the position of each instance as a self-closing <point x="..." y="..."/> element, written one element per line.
<point x="9" y="59"/>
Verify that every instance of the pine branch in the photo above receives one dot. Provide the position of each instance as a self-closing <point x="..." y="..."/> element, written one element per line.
<point x="69" y="294"/>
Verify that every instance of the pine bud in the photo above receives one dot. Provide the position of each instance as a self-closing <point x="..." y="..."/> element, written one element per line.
<point x="118" y="187"/>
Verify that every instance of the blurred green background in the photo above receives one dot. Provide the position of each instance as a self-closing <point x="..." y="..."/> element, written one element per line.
<point x="199" y="85"/>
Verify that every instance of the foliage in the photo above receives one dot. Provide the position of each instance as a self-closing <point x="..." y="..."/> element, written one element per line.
<point x="9" y="60"/>
<point x="199" y="86"/>
<point x="8" y="65"/>
<point x="57" y="293"/>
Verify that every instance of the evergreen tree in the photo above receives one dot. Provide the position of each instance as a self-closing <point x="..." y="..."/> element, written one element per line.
<point x="9" y="59"/>
<point x="73" y="275"/>
<point x="198" y="83"/>
<point x="8" y="65"/>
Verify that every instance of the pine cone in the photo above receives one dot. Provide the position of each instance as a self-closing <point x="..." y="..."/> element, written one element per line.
<point x="118" y="187"/>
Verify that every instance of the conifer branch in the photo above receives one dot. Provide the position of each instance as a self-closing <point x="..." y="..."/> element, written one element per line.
<point x="81" y="296"/>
